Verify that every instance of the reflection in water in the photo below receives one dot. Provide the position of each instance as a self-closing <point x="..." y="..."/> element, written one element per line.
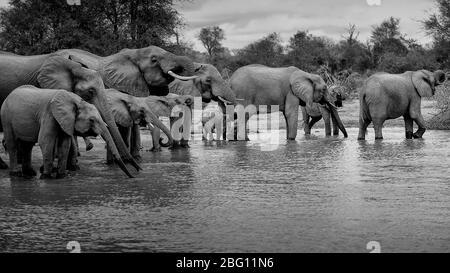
<point x="314" y="194"/>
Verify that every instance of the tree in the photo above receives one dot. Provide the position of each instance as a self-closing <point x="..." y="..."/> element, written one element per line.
<point x="266" y="51"/>
<point x="309" y="52"/>
<point x="437" y="25"/>
<point x="387" y="38"/>
<point x="211" y="38"/>
<point x="352" y="54"/>
<point x="102" y="27"/>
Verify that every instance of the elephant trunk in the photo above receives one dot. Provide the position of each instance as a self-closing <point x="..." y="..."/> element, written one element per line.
<point x="179" y="67"/>
<point x="223" y="92"/>
<point x="110" y="143"/>
<point x="335" y="116"/>
<point x="102" y="105"/>
<point x="153" y="119"/>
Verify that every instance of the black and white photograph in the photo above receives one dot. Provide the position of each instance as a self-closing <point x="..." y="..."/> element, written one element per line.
<point x="238" y="126"/>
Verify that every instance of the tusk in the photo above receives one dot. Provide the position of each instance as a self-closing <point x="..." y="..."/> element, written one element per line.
<point x="240" y="99"/>
<point x="224" y="100"/>
<point x="181" y="78"/>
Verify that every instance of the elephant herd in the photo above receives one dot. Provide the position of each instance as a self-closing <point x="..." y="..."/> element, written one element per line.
<point x="54" y="98"/>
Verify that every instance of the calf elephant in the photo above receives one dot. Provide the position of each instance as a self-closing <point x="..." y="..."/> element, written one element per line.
<point x="286" y="87"/>
<point x="162" y="107"/>
<point x="50" y="117"/>
<point x="129" y="111"/>
<point x="389" y="96"/>
<point x="137" y="72"/>
<point x="56" y="72"/>
<point x="313" y="115"/>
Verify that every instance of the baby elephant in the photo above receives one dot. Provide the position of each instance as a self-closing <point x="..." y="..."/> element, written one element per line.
<point x="312" y="115"/>
<point x="129" y="111"/>
<point x="162" y="107"/>
<point x="52" y="118"/>
<point x="389" y="96"/>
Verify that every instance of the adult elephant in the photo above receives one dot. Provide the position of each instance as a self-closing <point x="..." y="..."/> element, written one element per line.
<point x="209" y="85"/>
<point x="137" y="72"/>
<point x="389" y="96"/>
<point x="286" y="87"/>
<point x="52" y="71"/>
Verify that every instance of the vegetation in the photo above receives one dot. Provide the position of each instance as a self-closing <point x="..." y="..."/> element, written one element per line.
<point x="107" y="26"/>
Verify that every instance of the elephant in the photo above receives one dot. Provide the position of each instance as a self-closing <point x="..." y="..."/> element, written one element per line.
<point x="313" y="115"/>
<point x="162" y="107"/>
<point x="389" y="96"/>
<point x="51" y="117"/>
<point x="287" y="87"/>
<point x="137" y="72"/>
<point x="128" y="111"/>
<point x="209" y="85"/>
<point x="52" y="71"/>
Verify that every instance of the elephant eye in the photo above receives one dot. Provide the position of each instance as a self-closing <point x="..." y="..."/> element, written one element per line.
<point x="154" y="60"/>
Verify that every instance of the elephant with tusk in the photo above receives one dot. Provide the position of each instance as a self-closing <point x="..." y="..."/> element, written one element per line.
<point x="287" y="87"/>
<point x="52" y="71"/>
<point x="209" y="85"/>
<point x="51" y="117"/>
<point x="389" y="96"/>
<point x="137" y="72"/>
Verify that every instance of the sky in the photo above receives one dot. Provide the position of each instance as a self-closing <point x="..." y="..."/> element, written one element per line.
<point x="245" y="21"/>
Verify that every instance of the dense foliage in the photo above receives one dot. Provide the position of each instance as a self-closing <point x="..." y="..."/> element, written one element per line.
<point x="101" y="26"/>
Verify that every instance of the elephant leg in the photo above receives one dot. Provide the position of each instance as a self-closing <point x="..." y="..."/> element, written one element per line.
<point x="135" y="142"/>
<point x="89" y="144"/>
<point x="306" y="118"/>
<point x="3" y="165"/>
<point x="72" y="161"/>
<point x="64" y="146"/>
<point x="335" y="128"/>
<point x="26" y="150"/>
<point x="48" y="154"/>
<point x="291" y="115"/>
<point x="409" y="126"/>
<point x="313" y="121"/>
<point x="13" y="164"/>
<point x="421" y="123"/>
<point x="378" y="126"/>
<point x="156" y="135"/>
<point x="363" y="124"/>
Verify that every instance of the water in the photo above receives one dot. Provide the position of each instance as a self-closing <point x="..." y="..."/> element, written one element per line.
<point x="314" y="195"/>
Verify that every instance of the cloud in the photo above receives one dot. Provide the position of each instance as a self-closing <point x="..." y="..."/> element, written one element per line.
<point x="245" y="21"/>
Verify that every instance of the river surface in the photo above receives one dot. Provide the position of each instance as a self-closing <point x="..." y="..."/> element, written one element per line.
<point x="314" y="195"/>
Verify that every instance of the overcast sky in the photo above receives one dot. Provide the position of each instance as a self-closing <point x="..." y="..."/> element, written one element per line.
<point x="245" y="21"/>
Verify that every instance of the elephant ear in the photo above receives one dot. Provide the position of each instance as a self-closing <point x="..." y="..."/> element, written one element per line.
<point x="121" y="112"/>
<point x="56" y="73"/>
<point x="302" y="86"/>
<point x="119" y="71"/>
<point x="63" y="107"/>
<point x="159" y="105"/>
<point x="422" y="83"/>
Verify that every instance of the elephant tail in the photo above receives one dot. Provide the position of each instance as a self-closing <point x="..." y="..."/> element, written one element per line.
<point x="364" y="113"/>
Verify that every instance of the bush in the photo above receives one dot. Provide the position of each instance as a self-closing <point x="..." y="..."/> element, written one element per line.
<point x="441" y="121"/>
